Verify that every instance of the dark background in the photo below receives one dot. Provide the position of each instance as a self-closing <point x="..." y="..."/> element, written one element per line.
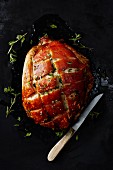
<point x="94" y="149"/>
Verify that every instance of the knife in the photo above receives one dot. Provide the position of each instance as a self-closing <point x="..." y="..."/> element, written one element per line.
<point x="59" y="145"/>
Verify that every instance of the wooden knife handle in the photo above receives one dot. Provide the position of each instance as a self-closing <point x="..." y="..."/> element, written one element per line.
<point x="59" y="145"/>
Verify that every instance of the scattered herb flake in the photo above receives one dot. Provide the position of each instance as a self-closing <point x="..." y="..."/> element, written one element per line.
<point x="16" y="125"/>
<point x="28" y="134"/>
<point x="76" y="137"/>
<point x="45" y="92"/>
<point x="50" y="74"/>
<point x="59" y="134"/>
<point x="11" y="43"/>
<point x="8" y="89"/>
<point x="22" y="40"/>
<point x="31" y="42"/>
<point x="19" y="118"/>
<point x="53" y="26"/>
<point x="69" y="63"/>
<point x="29" y="82"/>
<point x="12" y="57"/>
<point x="49" y="54"/>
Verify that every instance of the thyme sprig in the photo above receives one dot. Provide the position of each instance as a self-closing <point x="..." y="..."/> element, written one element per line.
<point x="11" y="52"/>
<point x="10" y="108"/>
<point x="77" y="42"/>
<point x="76" y="38"/>
<point x="10" y="90"/>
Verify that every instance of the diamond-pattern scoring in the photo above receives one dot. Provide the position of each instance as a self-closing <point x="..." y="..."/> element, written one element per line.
<point x="56" y="83"/>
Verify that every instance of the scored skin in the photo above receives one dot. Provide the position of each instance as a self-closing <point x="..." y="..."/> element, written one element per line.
<point x="56" y="82"/>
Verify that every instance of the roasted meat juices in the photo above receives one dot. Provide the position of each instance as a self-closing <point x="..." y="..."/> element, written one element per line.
<point x="56" y="83"/>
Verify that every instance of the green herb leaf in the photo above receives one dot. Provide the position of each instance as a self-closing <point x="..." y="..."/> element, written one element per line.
<point x="76" y="137"/>
<point x="31" y="42"/>
<point x="11" y="43"/>
<point x="22" y="40"/>
<point x="59" y="134"/>
<point x="13" y="51"/>
<point x="51" y="74"/>
<point x="12" y="57"/>
<point x="7" y="111"/>
<point x="16" y="125"/>
<point x="49" y="54"/>
<point x="28" y="82"/>
<point x="28" y="134"/>
<point x="8" y="90"/>
<point x="19" y="118"/>
<point x="53" y="26"/>
<point x="12" y="60"/>
<point x="18" y="37"/>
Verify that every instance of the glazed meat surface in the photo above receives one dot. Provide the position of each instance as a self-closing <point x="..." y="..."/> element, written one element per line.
<point x="56" y="83"/>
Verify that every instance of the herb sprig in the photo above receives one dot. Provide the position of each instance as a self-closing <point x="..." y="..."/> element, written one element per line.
<point x="76" y="38"/>
<point x="11" y="91"/>
<point x="11" y="52"/>
<point x="77" y="42"/>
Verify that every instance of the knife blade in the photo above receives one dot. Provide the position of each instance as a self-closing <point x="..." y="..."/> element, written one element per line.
<point x="59" y="145"/>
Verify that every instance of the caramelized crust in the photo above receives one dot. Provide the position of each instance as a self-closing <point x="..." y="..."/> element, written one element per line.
<point x="56" y="83"/>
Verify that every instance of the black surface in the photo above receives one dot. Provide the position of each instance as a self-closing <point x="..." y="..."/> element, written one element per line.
<point x="94" y="149"/>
